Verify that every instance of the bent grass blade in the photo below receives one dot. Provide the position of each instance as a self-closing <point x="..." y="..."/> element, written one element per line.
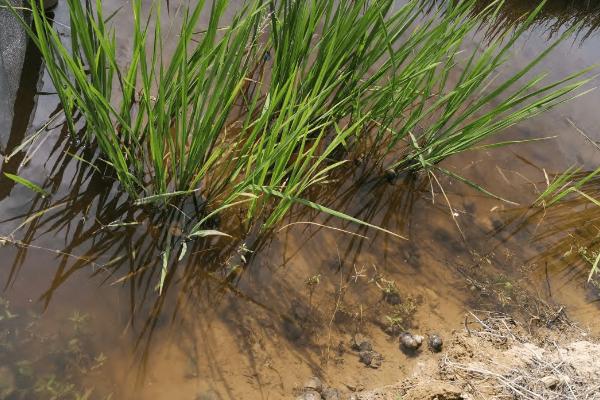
<point x="27" y="183"/>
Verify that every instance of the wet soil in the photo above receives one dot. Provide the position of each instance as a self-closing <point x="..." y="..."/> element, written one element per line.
<point x="254" y="319"/>
<point x="497" y="356"/>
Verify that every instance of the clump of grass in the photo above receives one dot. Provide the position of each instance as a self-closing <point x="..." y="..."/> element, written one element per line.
<point x="576" y="188"/>
<point x="571" y="181"/>
<point x="251" y="113"/>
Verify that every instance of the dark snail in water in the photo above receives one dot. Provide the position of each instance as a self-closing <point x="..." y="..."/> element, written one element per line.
<point x="435" y="343"/>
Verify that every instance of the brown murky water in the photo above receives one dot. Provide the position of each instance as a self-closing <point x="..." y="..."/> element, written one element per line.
<point x="80" y="309"/>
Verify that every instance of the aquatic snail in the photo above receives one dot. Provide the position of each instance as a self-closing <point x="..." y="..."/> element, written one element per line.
<point x="435" y="343"/>
<point x="410" y="342"/>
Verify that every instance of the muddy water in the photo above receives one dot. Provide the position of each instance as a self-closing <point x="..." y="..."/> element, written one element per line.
<point x="81" y="311"/>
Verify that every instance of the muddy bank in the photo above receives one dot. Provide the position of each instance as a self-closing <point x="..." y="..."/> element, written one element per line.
<point x="496" y="356"/>
<point x="493" y="356"/>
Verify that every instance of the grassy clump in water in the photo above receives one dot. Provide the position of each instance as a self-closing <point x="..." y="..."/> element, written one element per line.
<point x="249" y="113"/>
<point x="571" y="202"/>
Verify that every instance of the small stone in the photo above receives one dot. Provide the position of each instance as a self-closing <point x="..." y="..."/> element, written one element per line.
<point x="435" y="343"/>
<point x="550" y="381"/>
<point x="409" y="342"/>
<point x="331" y="394"/>
<point x="309" y="395"/>
<point x="371" y="359"/>
<point x="361" y="343"/>
<point x="314" y="383"/>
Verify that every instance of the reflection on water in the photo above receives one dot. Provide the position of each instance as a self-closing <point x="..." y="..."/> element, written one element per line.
<point x="556" y="16"/>
<point x="251" y="317"/>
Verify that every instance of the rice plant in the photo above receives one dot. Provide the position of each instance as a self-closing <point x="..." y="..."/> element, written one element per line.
<point x="571" y="181"/>
<point x="571" y="204"/>
<point x="250" y="113"/>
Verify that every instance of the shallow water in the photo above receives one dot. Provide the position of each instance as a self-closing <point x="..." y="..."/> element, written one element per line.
<point x="83" y="305"/>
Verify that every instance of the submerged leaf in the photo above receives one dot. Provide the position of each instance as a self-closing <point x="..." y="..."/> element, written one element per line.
<point x="207" y="232"/>
<point x="27" y="183"/>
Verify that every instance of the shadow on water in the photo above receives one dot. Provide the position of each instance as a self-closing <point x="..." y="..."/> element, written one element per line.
<point x="87" y="224"/>
<point x="250" y="290"/>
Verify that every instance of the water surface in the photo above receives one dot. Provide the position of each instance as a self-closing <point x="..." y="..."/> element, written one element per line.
<point x="253" y="318"/>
